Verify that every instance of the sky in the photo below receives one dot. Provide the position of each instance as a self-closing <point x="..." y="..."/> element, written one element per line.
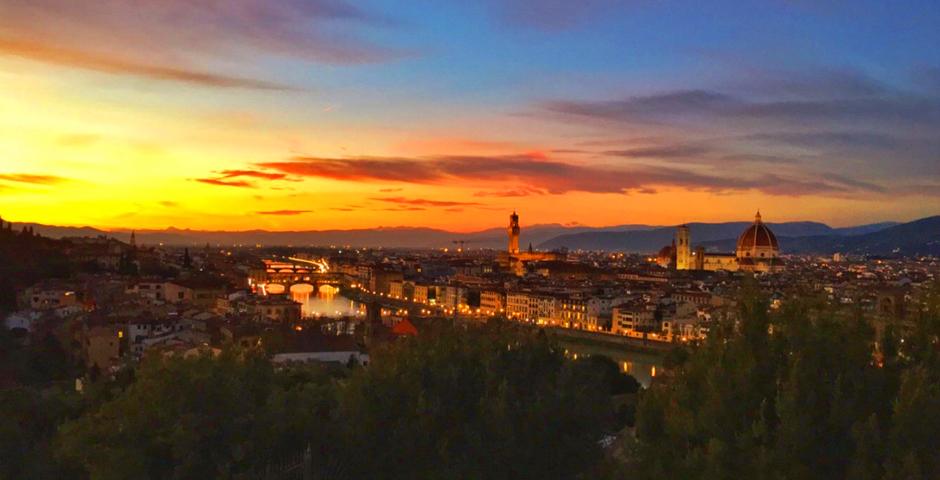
<point x="336" y="114"/>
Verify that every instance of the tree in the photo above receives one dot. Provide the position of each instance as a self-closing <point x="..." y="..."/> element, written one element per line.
<point x="911" y="449"/>
<point x="30" y="418"/>
<point x="197" y="418"/>
<point x="796" y="394"/>
<point x="473" y="404"/>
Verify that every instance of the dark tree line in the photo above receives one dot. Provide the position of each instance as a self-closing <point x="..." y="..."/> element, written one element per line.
<point x="796" y="393"/>
<point x="799" y="394"/>
<point x="26" y="258"/>
<point x="478" y="403"/>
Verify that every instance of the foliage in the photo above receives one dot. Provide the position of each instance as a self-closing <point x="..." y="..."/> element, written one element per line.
<point x="471" y="404"/>
<point x="478" y="403"/>
<point x="795" y="394"/>
<point x="30" y="417"/>
<point x="36" y="359"/>
<point x="198" y="418"/>
<point x="26" y="258"/>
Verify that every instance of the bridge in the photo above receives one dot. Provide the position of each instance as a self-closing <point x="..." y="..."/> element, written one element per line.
<point x="292" y="273"/>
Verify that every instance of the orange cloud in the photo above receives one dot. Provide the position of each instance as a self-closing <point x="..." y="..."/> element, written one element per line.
<point x="283" y="212"/>
<point x="32" y="178"/>
<point x="252" y="174"/>
<point x="423" y="202"/>
<point x="225" y="183"/>
<point x="534" y="173"/>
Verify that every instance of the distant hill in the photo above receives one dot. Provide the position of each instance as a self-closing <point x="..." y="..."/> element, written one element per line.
<point x="920" y="237"/>
<point x="793" y="236"/>
<point x="653" y="239"/>
<point x="389" y="237"/>
<point x="863" y="229"/>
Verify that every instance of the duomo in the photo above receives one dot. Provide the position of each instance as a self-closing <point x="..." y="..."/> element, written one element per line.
<point x="757" y="251"/>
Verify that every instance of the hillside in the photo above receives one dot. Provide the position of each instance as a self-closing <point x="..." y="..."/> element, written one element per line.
<point x="654" y="239"/>
<point x="920" y="237"/>
<point x="388" y="237"/>
<point x="794" y="236"/>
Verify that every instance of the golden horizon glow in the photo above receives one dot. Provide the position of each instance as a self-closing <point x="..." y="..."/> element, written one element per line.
<point x="245" y="133"/>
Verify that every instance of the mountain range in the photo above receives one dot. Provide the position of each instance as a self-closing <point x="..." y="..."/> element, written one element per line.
<point x="885" y="238"/>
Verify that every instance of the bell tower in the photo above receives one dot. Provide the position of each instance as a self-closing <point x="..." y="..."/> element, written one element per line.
<point x="513" y="233"/>
<point x="683" y="248"/>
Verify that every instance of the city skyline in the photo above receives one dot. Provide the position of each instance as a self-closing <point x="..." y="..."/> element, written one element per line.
<point x="328" y="114"/>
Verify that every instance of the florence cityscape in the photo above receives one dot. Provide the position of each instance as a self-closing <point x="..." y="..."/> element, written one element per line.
<point x="607" y="239"/>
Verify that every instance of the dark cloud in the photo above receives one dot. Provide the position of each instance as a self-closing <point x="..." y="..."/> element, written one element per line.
<point x="813" y="122"/>
<point x="894" y="110"/>
<point x="852" y="183"/>
<point x="865" y="140"/>
<point x="822" y="83"/>
<point x="648" y="108"/>
<point x="390" y="190"/>
<point x="550" y="176"/>
<point x="695" y="105"/>
<point x="755" y="158"/>
<point x="283" y="212"/>
<point x="661" y="151"/>
<point x="32" y="178"/>
<point x="168" y="204"/>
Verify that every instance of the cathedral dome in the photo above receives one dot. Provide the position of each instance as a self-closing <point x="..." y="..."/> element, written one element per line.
<point x="757" y="240"/>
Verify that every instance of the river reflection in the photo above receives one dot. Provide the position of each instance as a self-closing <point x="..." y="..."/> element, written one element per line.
<point x="326" y="302"/>
<point x="643" y="366"/>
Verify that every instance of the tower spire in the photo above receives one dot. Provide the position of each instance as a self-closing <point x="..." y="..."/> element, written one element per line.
<point x="757" y="218"/>
<point x="513" y="231"/>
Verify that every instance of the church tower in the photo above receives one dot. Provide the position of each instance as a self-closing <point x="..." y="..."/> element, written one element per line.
<point x="513" y="233"/>
<point x="683" y="248"/>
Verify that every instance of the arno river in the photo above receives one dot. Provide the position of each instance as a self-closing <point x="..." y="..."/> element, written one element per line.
<point x="327" y="302"/>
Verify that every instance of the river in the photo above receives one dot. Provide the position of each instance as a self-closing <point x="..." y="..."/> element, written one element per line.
<point x="326" y="302"/>
<point x="642" y="365"/>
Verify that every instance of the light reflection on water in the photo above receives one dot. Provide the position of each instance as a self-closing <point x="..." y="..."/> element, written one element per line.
<point x="643" y="366"/>
<point x="326" y="303"/>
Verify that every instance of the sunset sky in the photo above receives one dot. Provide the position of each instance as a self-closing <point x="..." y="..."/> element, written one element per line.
<point x="321" y="114"/>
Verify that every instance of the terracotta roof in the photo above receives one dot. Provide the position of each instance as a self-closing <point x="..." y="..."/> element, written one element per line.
<point x="404" y="327"/>
<point x="757" y="235"/>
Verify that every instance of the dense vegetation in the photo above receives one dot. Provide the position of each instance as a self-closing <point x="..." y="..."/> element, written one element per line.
<point x="795" y="393"/>
<point x="799" y="394"/>
<point x="25" y="259"/>
<point x="478" y="403"/>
